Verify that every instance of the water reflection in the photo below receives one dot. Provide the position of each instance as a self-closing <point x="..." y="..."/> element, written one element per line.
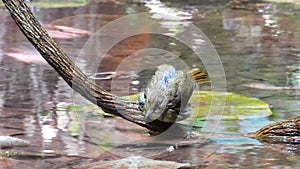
<point x="30" y="90"/>
<point x="173" y="19"/>
<point x="259" y="48"/>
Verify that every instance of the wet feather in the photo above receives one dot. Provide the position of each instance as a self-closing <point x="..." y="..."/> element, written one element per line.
<point x="167" y="95"/>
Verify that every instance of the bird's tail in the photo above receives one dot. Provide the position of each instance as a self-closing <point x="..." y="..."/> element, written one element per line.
<point x="199" y="76"/>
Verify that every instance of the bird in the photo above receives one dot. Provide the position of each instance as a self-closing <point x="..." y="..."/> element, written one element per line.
<point x="166" y="96"/>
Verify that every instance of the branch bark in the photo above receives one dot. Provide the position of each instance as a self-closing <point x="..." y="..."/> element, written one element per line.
<point x="290" y="127"/>
<point x="75" y="78"/>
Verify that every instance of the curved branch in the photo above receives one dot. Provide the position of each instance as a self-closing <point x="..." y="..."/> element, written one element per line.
<point x="75" y="78"/>
<point x="289" y="127"/>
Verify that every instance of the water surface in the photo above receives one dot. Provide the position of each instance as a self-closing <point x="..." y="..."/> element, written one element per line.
<point x="258" y="46"/>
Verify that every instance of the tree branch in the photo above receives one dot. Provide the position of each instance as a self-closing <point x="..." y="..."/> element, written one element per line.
<point x="75" y="78"/>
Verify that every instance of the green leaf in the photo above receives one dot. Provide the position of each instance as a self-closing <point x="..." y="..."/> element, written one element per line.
<point x="236" y="107"/>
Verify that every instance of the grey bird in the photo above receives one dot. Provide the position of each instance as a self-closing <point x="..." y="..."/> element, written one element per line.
<point x="166" y="97"/>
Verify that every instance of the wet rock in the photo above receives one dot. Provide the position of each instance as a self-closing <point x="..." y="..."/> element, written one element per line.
<point x="8" y="141"/>
<point x="136" y="162"/>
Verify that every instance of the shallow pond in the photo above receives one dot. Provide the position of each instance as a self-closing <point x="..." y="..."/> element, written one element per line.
<point x="258" y="45"/>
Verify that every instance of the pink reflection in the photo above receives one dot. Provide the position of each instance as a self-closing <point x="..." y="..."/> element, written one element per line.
<point x="65" y="32"/>
<point x="27" y="56"/>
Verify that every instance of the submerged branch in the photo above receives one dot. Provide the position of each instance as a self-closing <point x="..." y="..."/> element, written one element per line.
<point x="75" y="78"/>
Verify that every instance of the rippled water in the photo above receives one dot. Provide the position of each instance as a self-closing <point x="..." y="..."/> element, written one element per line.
<point x="258" y="46"/>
